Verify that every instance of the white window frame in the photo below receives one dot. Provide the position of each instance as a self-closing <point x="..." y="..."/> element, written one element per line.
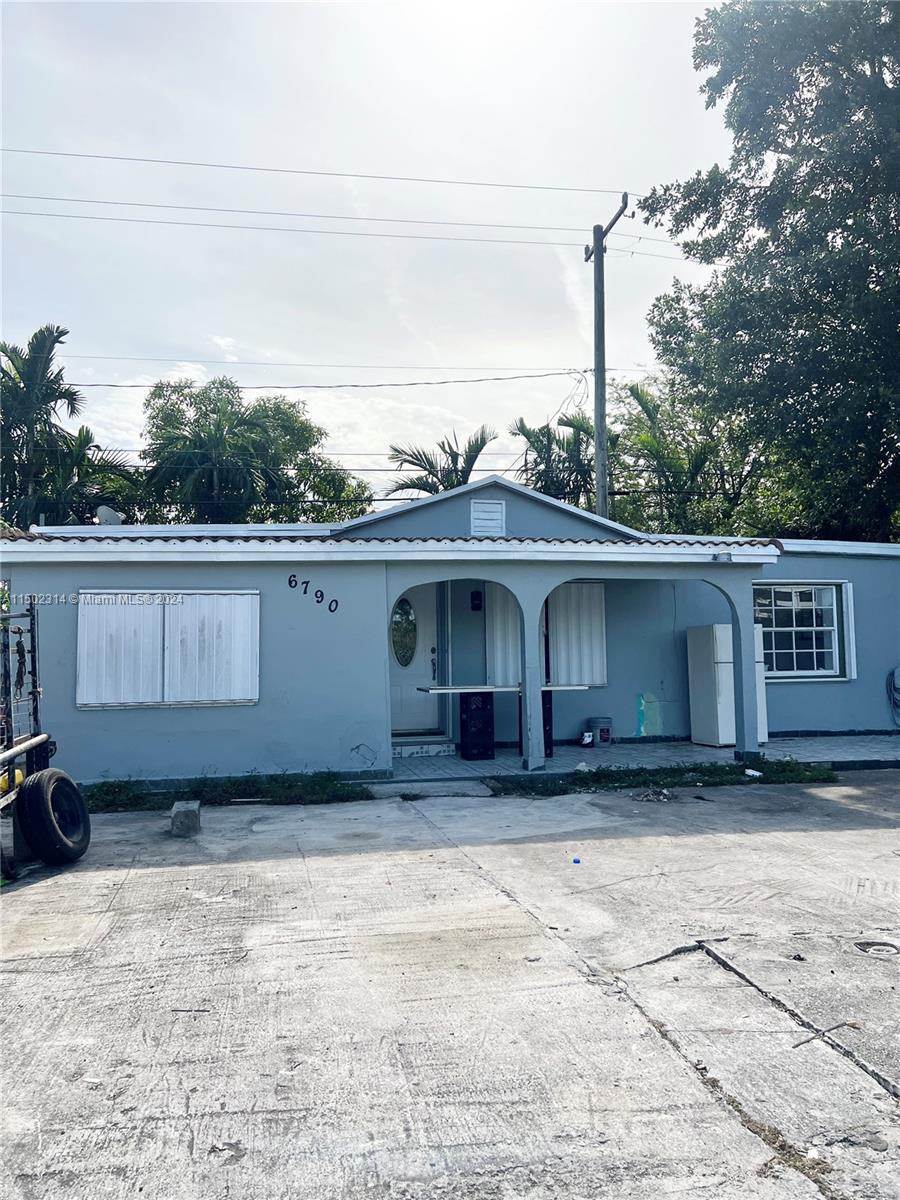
<point x="845" y="631"/>
<point x="487" y="518"/>
<point x="158" y="597"/>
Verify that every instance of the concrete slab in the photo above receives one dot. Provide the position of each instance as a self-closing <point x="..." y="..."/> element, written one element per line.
<point x="419" y="999"/>
<point x="758" y="1057"/>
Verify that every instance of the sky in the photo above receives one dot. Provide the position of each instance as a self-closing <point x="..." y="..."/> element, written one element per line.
<point x="589" y="96"/>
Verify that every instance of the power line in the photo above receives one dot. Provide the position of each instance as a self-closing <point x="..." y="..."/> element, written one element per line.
<point x="419" y="237"/>
<point x="240" y="362"/>
<point x="176" y="162"/>
<point x="415" y="237"/>
<point x="340" y="453"/>
<point x="267" y="212"/>
<point x="329" y="387"/>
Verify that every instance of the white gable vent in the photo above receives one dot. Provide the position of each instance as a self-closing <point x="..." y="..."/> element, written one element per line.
<point x="488" y="518"/>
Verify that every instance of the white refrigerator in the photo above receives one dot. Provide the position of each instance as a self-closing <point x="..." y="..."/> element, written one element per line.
<point x="711" y="685"/>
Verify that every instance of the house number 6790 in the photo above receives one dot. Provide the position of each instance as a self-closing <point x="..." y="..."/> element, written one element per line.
<point x="318" y="595"/>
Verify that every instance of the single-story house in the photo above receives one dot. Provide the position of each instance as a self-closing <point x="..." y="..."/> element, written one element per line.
<point x="488" y="615"/>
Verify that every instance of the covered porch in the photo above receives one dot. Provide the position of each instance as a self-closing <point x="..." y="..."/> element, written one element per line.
<point x="598" y="627"/>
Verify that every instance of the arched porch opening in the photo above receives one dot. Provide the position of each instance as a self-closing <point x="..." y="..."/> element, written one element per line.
<point x="450" y="641"/>
<point x="614" y="645"/>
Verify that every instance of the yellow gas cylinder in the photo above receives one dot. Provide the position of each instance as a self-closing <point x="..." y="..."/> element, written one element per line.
<point x="4" y="780"/>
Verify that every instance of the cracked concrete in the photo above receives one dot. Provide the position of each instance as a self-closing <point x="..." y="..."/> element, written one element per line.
<point x="433" y="999"/>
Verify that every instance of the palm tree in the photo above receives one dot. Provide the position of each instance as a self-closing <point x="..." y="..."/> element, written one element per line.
<point x="218" y="465"/>
<point x="559" y="464"/>
<point x="79" y="476"/>
<point x="674" y="457"/>
<point x="33" y="393"/>
<point x="448" y="466"/>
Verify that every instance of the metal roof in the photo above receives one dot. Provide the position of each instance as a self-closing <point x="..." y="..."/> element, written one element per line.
<point x="9" y="533"/>
<point x="111" y="539"/>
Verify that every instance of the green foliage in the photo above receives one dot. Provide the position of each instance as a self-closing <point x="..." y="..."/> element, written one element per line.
<point x="796" y="333"/>
<point x="321" y="787"/>
<point x="123" y="795"/>
<point x="47" y="471"/>
<point x="217" y="458"/>
<point x="126" y="795"/>
<point x="212" y="456"/>
<point x="674" y="466"/>
<point x="448" y="466"/>
<point x="559" y="460"/>
<point x="684" y="468"/>
<point x="614" y="779"/>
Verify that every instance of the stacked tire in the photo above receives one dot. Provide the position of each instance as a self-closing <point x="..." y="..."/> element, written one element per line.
<point x="53" y="817"/>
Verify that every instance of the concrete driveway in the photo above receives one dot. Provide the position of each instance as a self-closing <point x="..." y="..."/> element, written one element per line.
<point x="473" y="997"/>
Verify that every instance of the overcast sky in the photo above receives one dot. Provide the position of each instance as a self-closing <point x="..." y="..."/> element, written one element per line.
<point x="571" y="95"/>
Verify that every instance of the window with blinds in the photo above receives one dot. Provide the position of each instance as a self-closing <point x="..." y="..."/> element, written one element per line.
<point x="137" y="648"/>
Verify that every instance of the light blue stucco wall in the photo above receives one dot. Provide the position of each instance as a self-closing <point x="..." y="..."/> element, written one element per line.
<point x="647" y="624"/>
<point x="854" y="704"/>
<point x="646" y="648"/>
<point x="450" y="517"/>
<point x="467" y="658"/>
<point x="323" y="701"/>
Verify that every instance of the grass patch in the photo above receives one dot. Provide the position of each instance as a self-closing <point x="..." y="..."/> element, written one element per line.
<point x="123" y="795"/>
<point x="614" y="779"/>
<point x="322" y="787"/>
<point x="126" y="795"/>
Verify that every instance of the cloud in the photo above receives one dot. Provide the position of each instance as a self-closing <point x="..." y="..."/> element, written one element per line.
<point x="577" y="281"/>
<point x="116" y="415"/>
<point x="226" y="344"/>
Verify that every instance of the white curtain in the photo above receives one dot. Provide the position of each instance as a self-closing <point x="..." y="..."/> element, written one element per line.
<point x="504" y="641"/>
<point x="577" y="626"/>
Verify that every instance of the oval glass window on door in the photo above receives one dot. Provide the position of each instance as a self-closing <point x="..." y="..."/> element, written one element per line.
<point x="403" y="632"/>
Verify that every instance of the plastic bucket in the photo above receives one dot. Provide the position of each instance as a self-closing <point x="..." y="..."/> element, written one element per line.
<point x="601" y="728"/>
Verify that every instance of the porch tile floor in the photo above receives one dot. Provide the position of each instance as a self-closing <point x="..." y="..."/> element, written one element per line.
<point x="874" y="750"/>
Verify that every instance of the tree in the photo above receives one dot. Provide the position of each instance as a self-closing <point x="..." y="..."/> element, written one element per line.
<point x="682" y="468"/>
<point x="796" y="332"/>
<point x="78" y="476"/>
<point x="214" y="457"/>
<point x="674" y="466"/>
<point x="560" y="464"/>
<point x="449" y="466"/>
<point x="33" y="395"/>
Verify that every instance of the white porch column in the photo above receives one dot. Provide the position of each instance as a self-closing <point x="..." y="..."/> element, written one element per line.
<point x="742" y="639"/>
<point x="532" y="680"/>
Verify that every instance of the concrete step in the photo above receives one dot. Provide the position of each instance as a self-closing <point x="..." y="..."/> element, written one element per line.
<point x="422" y="747"/>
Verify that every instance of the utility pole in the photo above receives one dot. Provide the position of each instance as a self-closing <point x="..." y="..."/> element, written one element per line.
<point x="601" y="447"/>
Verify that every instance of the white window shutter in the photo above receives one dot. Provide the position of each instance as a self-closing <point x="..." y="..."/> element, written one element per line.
<point x="119" y="650"/>
<point x="504" y="641"/>
<point x="577" y="626"/>
<point x="487" y="518"/>
<point x="212" y="648"/>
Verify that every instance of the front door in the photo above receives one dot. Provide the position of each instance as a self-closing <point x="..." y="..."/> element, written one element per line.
<point x="413" y="649"/>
